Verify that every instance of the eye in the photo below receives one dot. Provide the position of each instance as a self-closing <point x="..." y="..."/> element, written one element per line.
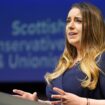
<point x="68" y="21"/>
<point x="78" y="20"/>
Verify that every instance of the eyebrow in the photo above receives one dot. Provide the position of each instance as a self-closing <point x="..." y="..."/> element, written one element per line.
<point x="75" y="17"/>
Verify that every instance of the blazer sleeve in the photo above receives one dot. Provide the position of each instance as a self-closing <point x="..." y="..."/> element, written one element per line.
<point x="49" y="92"/>
<point x="102" y="74"/>
<point x="54" y="83"/>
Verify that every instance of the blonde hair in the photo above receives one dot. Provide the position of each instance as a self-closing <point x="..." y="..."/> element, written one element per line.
<point x="92" y="44"/>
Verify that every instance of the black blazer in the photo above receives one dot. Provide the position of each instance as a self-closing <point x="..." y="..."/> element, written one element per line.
<point x="70" y="82"/>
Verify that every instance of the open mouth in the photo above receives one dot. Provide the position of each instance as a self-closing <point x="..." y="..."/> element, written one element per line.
<point x="72" y="33"/>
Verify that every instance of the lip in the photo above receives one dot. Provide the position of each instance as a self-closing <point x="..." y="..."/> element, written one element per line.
<point x="72" y="33"/>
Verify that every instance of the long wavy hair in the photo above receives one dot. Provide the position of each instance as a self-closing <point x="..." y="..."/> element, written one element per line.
<point x="92" y="45"/>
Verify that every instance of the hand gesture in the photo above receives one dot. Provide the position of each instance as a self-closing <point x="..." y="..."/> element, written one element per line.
<point x="25" y="95"/>
<point x="68" y="98"/>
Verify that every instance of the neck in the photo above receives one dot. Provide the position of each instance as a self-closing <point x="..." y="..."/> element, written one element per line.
<point x="79" y="56"/>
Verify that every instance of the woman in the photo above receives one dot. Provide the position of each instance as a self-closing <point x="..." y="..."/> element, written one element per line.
<point x="80" y="74"/>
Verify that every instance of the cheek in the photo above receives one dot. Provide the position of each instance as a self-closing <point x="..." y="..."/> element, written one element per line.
<point x="78" y="27"/>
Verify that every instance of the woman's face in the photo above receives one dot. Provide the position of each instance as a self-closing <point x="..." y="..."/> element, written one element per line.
<point x="74" y="27"/>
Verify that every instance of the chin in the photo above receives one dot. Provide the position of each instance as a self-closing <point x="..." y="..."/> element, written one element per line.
<point x="74" y="43"/>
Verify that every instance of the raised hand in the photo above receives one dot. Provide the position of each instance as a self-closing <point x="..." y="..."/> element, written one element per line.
<point x="68" y="98"/>
<point x="25" y="95"/>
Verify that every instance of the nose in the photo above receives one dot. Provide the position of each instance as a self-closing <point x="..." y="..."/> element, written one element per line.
<point x="71" y="25"/>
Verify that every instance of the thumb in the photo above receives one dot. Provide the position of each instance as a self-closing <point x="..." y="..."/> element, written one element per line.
<point x="35" y="96"/>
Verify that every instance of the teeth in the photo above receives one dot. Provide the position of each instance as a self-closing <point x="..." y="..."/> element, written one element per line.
<point x="72" y="33"/>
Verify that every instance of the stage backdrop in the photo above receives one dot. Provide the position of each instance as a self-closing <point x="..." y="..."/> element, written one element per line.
<point x="32" y="37"/>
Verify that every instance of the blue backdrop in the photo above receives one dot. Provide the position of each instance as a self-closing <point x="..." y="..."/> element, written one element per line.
<point x="32" y="37"/>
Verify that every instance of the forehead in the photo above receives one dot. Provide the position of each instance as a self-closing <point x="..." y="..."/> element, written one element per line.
<point x="74" y="12"/>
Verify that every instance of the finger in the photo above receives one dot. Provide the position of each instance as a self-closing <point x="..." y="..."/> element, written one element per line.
<point x="20" y="92"/>
<point x="17" y="96"/>
<point x="57" y="96"/>
<point x="60" y="91"/>
<point x="55" y="102"/>
<point x="35" y="96"/>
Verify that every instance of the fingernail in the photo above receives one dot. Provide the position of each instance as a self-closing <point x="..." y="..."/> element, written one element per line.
<point x="14" y="90"/>
<point x="35" y="93"/>
<point x="51" y="96"/>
